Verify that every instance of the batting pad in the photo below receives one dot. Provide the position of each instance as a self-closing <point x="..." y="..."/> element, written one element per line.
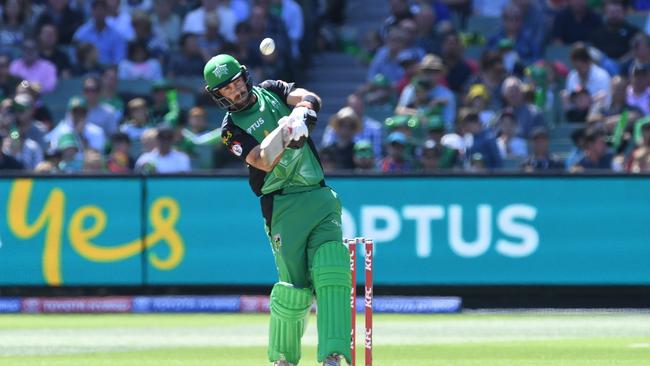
<point x="330" y="274"/>
<point x="289" y="309"/>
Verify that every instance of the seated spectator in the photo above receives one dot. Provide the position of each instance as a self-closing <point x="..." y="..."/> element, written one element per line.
<point x="48" y="40"/>
<point x="510" y="145"/>
<point x="528" y="116"/>
<point x="166" y="23"/>
<point x="8" y="82"/>
<point x="93" y="162"/>
<point x="345" y="124"/>
<point x="586" y="73"/>
<point x="200" y="142"/>
<point x="211" y="42"/>
<point x="32" y="68"/>
<point x="119" y="158"/>
<point x="385" y="60"/>
<point x="87" y="60"/>
<point x="512" y="62"/>
<point x="8" y="162"/>
<point x="41" y="110"/>
<point x="640" y="157"/>
<point x="65" y="18"/>
<point x="187" y="62"/>
<point x="580" y="106"/>
<point x="406" y="124"/>
<point x="614" y="36"/>
<point x="429" y="157"/>
<point x="364" y="157"/>
<point x="119" y="17"/>
<point x="164" y="158"/>
<point x="291" y="15"/>
<point x="14" y="24"/>
<point x="575" y="23"/>
<point x="100" y="113"/>
<point x="440" y="99"/>
<point x="144" y="32"/>
<point x="194" y="21"/>
<point x="139" y="120"/>
<point x="477" y="99"/>
<point x="409" y="60"/>
<point x="397" y="160"/>
<point x="446" y="157"/>
<point x="23" y="149"/>
<point x="71" y="158"/>
<point x="638" y="92"/>
<point x="524" y="41"/>
<point x="110" y="44"/>
<point x="427" y="37"/>
<point x="165" y="108"/>
<point x="597" y="156"/>
<point x="399" y="10"/>
<point x="640" y="53"/>
<point x="541" y="158"/>
<point x="491" y="74"/>
<point x="459" y="71"/>
<point x="87" y="134"/>
<point x="139" y="65"/>
<point x="149" y="140"/>
<point x="108" y="91"/>
<point x="28" y="127"/>
<point x="480" y="146"/>
<point x="379" y="92"/>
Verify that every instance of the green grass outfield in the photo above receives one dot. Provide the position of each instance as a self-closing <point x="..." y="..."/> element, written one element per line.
<point x="472" y="339"/>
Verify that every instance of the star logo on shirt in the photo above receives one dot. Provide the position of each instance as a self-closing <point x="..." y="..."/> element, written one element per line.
<point x="220" y="70"/>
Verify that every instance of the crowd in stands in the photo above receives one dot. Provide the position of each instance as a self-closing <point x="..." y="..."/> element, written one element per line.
<point x="454" y="97"/>
<point x="492" y="98"/>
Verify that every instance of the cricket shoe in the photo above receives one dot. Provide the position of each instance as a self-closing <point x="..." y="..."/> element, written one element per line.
<point x="332" y="360"/>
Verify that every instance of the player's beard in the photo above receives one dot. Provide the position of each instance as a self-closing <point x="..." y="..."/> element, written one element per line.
<point x="242" y="100"/>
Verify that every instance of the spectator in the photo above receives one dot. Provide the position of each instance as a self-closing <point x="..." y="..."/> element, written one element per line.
<point x="640" y="157"/>
<point x="491" y="75"/>
<point x="458" y="70"/>
<point x="445" y="156"/>
<point x="477" y="99"/>
<point x="110" y="45"/>
<point x="200" y="142"/>
<point x="100" y="113"/>
<point x="371" y="129"/>
<point x="364" y="157"/>
<point x="510" y="145"/>
<point x="291" y="14"/>
<point x="586" y="73"/>
<point x="120" y="19"/>
<point x="194" y="21"/>
<point x="488" y="8"/>
<point x="65" y="18"/>
<point x="68" y="148"/>
<point x="426" y="35"/>
<point x="86" y="134"/>
<point x="578" y="151"/>
<point x="429" y="157"/>
<point x="23" y="149"/>
<point x="166" y="23"/>
<point x="109" y="90"/>
<point x="49" y="50"/>
<point x="596" y="155"/>
<point x="149" y="140"/>
<point x="410" y="29"/>
<point x="93" y="162"/>
<point x="87" y="60"/>
<point x="528" y="116"/>
<point x="328" y="159"/>
<point x="397" y="160"/>
<point x="145" y="33"/>
<point x="32" y="68"/>
<point x="640" y="53"/>
<point x="399" y="10"/>
<point x="164" y="158"/>
<point x="264" y="24"/>
<point x="139" y="64"/>
<point x="23" y="107"/>
<point x="8" y="162"/>
<point x="211" y="41"/>
<point x="575" y="23"/>
<point x="165" y="108"/>
<point x="535" y="23"/>
<point x="139" y="120"/>
<point x="409" y="60"/>
<point x="8" y="82"/>
<point x="14" y="20"/>
<point x="580" y="106"/>
<point x="480" y="145"/>
<point x="119" y="160"/>
<point x="541" y="158"/>
<point x="638" y="92"/>
<point x="41" y="111"/>
<point x="346" y="124"/>
<point x="523" y="39"/>
<point x="245" y="50"/>
<point x="614" y="36"/>
<point x="440" y="100"/>
<point x="189" y="61"/>
<point x="385" y="60"/>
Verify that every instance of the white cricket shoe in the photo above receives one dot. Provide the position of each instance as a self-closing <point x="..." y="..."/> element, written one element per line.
<point x="332" y="360"/>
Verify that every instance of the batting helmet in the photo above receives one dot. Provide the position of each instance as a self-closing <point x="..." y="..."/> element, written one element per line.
<point x="220" y="71"/>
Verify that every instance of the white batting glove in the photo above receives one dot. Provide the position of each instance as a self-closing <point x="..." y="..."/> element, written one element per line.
<point x="305" y="114"/>
<point x="298" y="128"/>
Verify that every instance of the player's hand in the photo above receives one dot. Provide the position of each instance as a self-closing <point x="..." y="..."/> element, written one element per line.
<point x="298" y="128"/>
<point x="309" y="116"/>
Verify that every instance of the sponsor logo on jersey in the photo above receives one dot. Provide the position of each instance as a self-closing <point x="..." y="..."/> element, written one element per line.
<point x="225" y="137"/>
<point x="260" y="121"/>
<point x="236" y="148"/>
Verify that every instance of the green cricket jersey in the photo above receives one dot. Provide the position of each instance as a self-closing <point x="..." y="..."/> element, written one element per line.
<point x="243" y="130"/>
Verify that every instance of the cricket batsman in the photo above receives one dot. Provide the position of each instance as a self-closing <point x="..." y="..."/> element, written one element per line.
<point x="267" y="127"/>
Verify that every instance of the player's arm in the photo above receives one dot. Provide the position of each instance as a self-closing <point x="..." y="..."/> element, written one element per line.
<point x="306" y="105"/>
<point x="268" y="153"/>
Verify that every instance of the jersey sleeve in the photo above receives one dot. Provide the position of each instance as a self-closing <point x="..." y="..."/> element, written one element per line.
<point x="280" y="88"/>
<point x="237" y="141"/>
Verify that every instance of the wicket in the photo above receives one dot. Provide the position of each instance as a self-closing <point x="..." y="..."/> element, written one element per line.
<point x="368" y="246"/>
